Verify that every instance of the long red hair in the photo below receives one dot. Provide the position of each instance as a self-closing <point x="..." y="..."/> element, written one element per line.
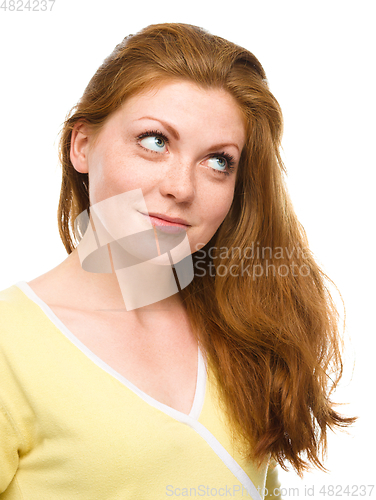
<point x="270" y="330"/>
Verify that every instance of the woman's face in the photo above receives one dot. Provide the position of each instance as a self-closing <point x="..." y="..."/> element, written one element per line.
<point x="180" y="144"/>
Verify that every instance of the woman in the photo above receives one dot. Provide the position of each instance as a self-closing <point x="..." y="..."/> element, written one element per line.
<point x="202" y="388"/>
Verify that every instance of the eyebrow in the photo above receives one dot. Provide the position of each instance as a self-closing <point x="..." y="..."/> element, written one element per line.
<point x="176" y="135"/>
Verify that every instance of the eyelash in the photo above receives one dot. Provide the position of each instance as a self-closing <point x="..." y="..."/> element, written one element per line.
<point x="229" y="159"/>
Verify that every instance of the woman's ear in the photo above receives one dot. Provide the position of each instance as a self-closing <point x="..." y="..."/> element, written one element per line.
<point x="80" y="147"/>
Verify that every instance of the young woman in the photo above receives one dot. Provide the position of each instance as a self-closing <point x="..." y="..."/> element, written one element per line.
<point x="204" y="389"/>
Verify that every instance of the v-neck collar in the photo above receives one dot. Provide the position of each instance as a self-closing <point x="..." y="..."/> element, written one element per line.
<point x="201" y="378"/>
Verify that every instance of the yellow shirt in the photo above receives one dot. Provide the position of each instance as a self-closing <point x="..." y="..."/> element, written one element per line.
<point x="72" y="428"/>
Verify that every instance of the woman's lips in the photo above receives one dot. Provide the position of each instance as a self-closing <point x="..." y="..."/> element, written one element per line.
<point x="166" y="226"/>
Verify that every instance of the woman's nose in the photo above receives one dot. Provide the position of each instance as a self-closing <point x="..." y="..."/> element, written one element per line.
<point x="179" y="182"/>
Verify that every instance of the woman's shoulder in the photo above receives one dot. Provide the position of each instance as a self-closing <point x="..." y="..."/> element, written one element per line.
<point x="12" y="302"/>
<point x="19" y="314"/>
<point x="10" y="293"/>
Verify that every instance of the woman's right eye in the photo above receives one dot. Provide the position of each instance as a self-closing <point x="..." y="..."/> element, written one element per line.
<point x="153" y="141"/>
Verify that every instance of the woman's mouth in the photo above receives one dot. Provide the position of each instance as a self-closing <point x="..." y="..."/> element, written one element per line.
<point x="168" y="224"/>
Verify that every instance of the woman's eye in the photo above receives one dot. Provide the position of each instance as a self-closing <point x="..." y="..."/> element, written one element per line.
<point x="218" y="163"/>
<point x="154" y="143"/>
<point x="222" y="163"/>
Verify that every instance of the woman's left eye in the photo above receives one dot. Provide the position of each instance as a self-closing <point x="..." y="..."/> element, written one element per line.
<point x="153" y="140"/>
<point x="222" y="163"/>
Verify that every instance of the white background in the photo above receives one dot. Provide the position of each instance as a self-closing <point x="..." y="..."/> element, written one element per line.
<point x="319" y="58"/>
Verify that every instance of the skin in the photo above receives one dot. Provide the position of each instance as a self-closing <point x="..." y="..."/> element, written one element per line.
<point x="178" y="179"/>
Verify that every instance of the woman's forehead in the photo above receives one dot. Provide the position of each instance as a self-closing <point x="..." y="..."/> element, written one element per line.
<point x="181" y="101"/>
